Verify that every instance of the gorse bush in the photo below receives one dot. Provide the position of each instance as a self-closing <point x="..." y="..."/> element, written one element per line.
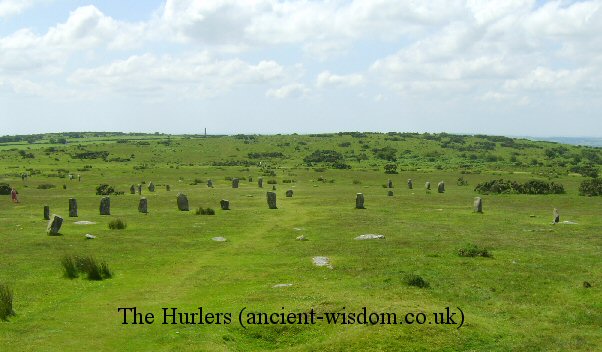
<point x="416" y="280"/>
<point x="592" y="187"/>
<point x="105" y="190"/>
<point x="502" y="186"/>
<point x="46" y="186"/>
<point x="204" y="211"/>
<point x="6" y="302"/>
<point x="5" y="189"/>
<point x="117" y="224"/>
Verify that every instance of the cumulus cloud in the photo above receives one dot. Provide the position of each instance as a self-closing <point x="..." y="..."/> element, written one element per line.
<point x="326" y="79"/>
<point x="295" y="90"/>
<point x="10" y="8"/>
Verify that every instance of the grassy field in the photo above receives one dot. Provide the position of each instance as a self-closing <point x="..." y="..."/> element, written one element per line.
<point x="528" y="296"/>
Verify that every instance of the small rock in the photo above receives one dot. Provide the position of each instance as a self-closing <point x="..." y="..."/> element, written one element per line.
<point x="322" y="261"/>
<point x="84" y="222"/>
<point x="90" y="237"/>
<point x="219" y="239"/>
<point x="282" y="285"/>
<point x="370" y="236"/>
<point x="301" y="238"/>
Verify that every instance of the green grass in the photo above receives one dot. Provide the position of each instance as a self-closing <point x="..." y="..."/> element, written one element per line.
<point x="529" y="296"/>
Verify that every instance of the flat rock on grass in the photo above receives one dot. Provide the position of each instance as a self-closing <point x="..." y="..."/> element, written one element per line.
<point x="90" y="237"/>
<point x="219" y="239"/>
<point x="567" y="222"/>
<point x="84" y="222"/>
<point x="282" y="285"/>
<point x="301" y="238"/>
<point x="370" y="236"/>
<point x="322" y="261"/>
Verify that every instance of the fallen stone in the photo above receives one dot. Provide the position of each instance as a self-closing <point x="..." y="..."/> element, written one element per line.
<point x="84" y="222"/>
<point x="370" y="236"/>
<point x="301" y="238"/>
<point x="282" y="285"/>
<point x="219" y="239"/>
<point x="90" y="237"/>
<point x="322" y="261"/>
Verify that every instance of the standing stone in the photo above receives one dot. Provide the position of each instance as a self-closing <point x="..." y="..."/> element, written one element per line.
<point x="209" y="183"/>
<point x="359" y="201"/>
<point x="151" y="187"/>
<point x="390" y="184"/>
<point x="167" y="188"/>
<point x="289" y="193"/>
<point x="250" y="179"/>
<point x="225" y="204"/>
<point x="272" y="200"/>
<point x="132" y="189"/>
<point x="72" y="207"/>
<point x="427" y="185"/>
<point x="105" y="206"/>
<point x="410" y="183"/>
<point x="390" y="193"/>
<point x="478" y="205"/>
<point x="273" y="187"/>
<point x="79" y="178"/>
<point x="441" y="187"/>
<point x="54" y="225"/>
<point x="46" y="212"/>
<point x="139" y="189"/>
<point x="234" y="183"/>
<point x="143" y="205"/>
<point x="556" y="216"/>
<point x="182" y="202"/>
<point x="260" y="182"/>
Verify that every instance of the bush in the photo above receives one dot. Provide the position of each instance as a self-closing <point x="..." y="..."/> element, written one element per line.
<point x="46" y="186"/>
<point x="272" y="182"/>
<point x="204" y="211"/>
<point x="70" y="267"/>
<point x="529" y="187"/>
<point x="586" y="170"/>
<point x="592" y="187"/>
<point x="471" y="250"/>
<point x="6" y="302"/>
<point x="416" y="280"/>
<point x="117" y="224"/>
<point x="86" y="265"/>
<point x="5" y="189"/>
<point x="104" y="190"/>
<point x="390" y="169"/>
<point x="324" y="156"/>
<point x="462" y="181"/>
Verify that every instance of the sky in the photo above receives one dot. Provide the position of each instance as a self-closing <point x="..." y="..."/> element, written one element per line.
<point x="501" y="67"/>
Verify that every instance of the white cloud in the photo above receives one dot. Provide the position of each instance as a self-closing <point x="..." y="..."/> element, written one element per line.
<point x="326" y="78"/>
<point x="295" y="90"/>
<point x="10" y="8"/>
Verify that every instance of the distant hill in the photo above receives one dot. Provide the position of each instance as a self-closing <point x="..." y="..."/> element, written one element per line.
<point x="590" y="141"/>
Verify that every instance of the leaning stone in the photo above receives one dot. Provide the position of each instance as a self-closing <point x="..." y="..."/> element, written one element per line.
<point x="272" y="200"/>
<point x="72" y="207"/>
<point x="105" y="206"/>
<point x="427" y="185"/>
<point x="54" y="225"/>
<point x="410" y="183"/>
<point x="359" y="201"/>
<point x="46" y="212"/>
<point x="182" y="202"/>
<point x="370" y="236"/>
<point x="143" y="205"/>
<point x="132" y="189"/>
<point x="556" y="216"/>
<point x="151" y="187"/>
<point x="210" y="183"/>
<point x="390" y="193"/>
<point x="441" y="187"/>
<point x="90" y="237"/>
<point x="289" y="193"/>
<point x="225" y="204"/>
<point x="234" y="183"/>
<point x="390" y="184"/>
<point x="260" y="182"/>
<point x="478" y="205"/>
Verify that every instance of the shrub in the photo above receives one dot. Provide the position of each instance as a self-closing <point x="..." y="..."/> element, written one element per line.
<point x="272" y="182"/>
<point x="117" y="224"/>
<point x="327" y="156"/>
<point x="471" y="250"/>
<point x="390" y="169"/>
<point x="204" y="211"/>
<point x="586" y="170"/>
<point x="357" y="182"/>
<point x="529" y="187"/>
<point x="416" y="280"/>
<point x="5" y="189"/>
<point x="105" y="190"/>
<point x="6" y="302"/>
<point x="462" y="181"/>
<point x="46" y="186"/>
<point x="89" y="266"/>
<point x="70" y="267"/>
<point x="592" y="187"/>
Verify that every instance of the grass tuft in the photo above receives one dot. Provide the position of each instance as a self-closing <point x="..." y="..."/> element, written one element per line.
<point x="117" y="224"/>
<point x="6" y="302"/>
<point x="472" y="250"/>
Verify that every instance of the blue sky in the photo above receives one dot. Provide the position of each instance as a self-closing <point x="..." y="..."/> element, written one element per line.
<point x="508" y="67"/>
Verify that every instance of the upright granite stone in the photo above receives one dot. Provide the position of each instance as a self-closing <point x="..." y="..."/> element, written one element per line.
<point x="260" y="182"/>
<point x="250" y="179"/>
<point x="210" y="183"/>
<point x="234" y="183"/>
<point x="390" y="193"/>
<point x="289" y="193"/>
<point x="143" y="205"/>
<point x="359" y="201"/>
<point x="478" y="205"/>
<point x="273" y="187"/>
<point x="427" y="185"/>
<point x="54" y="225"/>
<point x="389" y="184"/>
<point x="46" y="212"/>
<point x="556" y="216"/>
<point x="272" y="200"/>
<point x="182" y="202"/>
<point x="132" y="189"/>
<point x="105" y="206"/>
<point x="151" y="187"/>
<point x="140" y="189"/>
<point x="167" y="188"/>
<point x="410" y="184"/>
<point x="72" y="207"/>
<point x="224" y="204"/>
<point x="441" y="187"/>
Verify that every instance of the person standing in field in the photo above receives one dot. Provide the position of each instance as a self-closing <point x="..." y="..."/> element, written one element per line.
<point x="13" y="195"/>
